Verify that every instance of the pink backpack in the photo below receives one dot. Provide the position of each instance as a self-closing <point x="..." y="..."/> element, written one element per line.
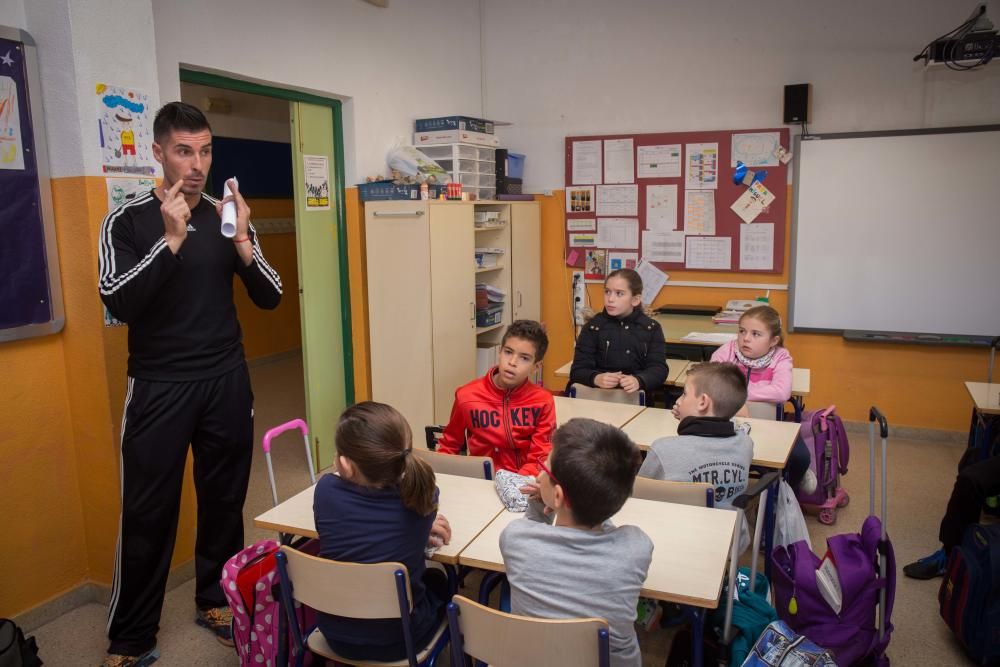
<point x="250" y="582"/>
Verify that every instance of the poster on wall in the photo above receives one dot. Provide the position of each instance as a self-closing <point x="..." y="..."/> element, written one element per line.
<point x="755" y="149"/>
<point x="11" y="146"/>
<point x="595" y="265"/>
<point x="580" y="200"/>
<point x="121" y="190"/>
<point x="317" y="175"/>
<point x="125" y="130"/>
<point x="702" y="166"/>
<point x="661" y="207"/>
<point x="622" y="260"/>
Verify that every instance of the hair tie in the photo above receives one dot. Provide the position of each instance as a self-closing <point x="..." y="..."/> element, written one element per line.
<point x="407" y="452"/>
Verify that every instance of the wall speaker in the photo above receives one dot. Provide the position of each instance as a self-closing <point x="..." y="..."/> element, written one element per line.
<point x="797" y="103"/>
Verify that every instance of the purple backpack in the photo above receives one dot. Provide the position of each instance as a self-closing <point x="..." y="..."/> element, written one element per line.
<point x="852" y="635"/>
<point x="824" y="435"/>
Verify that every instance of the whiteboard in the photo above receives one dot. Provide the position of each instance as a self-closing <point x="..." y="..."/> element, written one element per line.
<point x="898" y="232"/>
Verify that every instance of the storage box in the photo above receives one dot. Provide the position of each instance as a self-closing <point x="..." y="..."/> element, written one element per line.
<point x="455" y="137"/>
<point x="489" y="316"/>
<point x="508" y="186"/>
<point x="488" y="258"/>
<point x="509" y="164"/>
<point x="453" y="123"/>
<point x="387" y="190"/>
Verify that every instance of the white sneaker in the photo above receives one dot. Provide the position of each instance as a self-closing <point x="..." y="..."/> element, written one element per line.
<point x="808" y="483"/>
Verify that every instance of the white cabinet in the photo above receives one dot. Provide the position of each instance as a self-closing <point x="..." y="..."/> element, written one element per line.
<point x="421" y="290"/>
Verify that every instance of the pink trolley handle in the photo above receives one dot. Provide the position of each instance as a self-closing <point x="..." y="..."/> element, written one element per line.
<point x="274" y="433"/>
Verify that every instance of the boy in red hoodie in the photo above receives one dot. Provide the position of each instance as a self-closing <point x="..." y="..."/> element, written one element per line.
<point x="502" y="415"/>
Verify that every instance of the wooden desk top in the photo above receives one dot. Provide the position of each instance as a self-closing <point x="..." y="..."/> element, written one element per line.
<point x="986" y="396"/>
<point x="675" y="370"/>
<point x="690" y="548"/>
<point x="772" y="440"/>
<point x="801" y="379"/>
<point x="675" y="327"/>
<point x="616" y="414"/>
<point x="469" y="505"/>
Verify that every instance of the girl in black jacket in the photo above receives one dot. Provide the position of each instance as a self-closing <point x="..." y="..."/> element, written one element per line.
<point x="621" y="346"/>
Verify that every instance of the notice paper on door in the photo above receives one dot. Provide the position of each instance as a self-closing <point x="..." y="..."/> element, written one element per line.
<point x="709" y="252"/>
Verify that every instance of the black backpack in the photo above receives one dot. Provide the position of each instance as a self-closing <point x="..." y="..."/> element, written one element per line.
<point x="15" y="650"/>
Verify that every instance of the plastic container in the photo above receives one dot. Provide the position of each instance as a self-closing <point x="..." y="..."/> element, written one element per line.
<point x="515" y="165"/>
<point x="489" y="316"/>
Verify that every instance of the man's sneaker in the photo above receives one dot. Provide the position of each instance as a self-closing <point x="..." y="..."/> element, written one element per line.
<point x="219" y="620"/>
<point x="927" y="567"/>
<point x="117" y="660"/>
<point x="807" y="485"/>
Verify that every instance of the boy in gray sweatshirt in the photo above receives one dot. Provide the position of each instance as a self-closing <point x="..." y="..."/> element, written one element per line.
<point x="708" y="446"/>
<point x="565" y="559"/>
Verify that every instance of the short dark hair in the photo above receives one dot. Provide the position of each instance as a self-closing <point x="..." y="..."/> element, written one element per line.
<point x="723" y="382"/>
<point x="596" y="465"/>
<point x="178" y="116"/>
<point x="529" y="330"/>
<point x="630" y="276"/>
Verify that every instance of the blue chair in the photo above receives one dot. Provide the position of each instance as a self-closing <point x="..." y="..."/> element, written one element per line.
<point x="496" y="638"/>
<point x="352" y="590"/>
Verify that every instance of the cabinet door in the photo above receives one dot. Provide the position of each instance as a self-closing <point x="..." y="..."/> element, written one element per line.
<point x="397" y="239"/>
<point x="453" y="302"/>
<point x="526" y="261"/>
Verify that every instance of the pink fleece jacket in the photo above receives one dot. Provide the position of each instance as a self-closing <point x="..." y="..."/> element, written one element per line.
<point x="772" y="384"/>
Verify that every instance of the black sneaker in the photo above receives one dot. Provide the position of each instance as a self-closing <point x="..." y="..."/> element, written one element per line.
<point x="928" y="567"/>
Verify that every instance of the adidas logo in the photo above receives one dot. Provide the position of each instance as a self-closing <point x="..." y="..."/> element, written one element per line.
<point x="191" y="228"/>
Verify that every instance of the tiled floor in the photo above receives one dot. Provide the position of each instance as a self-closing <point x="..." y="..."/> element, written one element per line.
<point x="920" y="477"/>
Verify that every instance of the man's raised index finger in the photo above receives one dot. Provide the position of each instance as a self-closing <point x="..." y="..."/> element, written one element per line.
<point x="174" y="189"/>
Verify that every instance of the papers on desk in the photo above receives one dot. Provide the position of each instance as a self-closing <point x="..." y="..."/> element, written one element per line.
<point x="709" y="338"/>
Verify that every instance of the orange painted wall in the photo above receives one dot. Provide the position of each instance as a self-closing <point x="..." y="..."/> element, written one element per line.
<point x="270" y="332"/>
<point x="912" y="385"/>
<point x="359" y="295"/>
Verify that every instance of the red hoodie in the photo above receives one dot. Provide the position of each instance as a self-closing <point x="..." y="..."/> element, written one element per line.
<point x="513" y="427"/>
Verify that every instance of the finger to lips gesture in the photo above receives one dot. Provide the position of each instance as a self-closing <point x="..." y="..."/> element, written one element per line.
<point x="176" y="213"/>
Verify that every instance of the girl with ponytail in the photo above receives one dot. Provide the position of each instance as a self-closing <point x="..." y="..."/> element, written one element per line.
<point x="381" y="506"/>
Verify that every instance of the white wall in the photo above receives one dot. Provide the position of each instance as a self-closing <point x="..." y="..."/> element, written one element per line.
<point x="81" y="43"/>
<point x="414" y="59"/>
<point x="250" y="116"/>
<point x="12" y="14"/>
<point x="568" y="67"/>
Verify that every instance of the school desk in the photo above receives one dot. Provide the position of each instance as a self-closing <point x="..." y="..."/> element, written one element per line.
<point x="469" y="504"/>
<point x="616" y="414"/>
<point x="690" y="549"/>
<point x="986" y="397"/>
<point x="675" y="369"/>
<point x="772" y="440"/>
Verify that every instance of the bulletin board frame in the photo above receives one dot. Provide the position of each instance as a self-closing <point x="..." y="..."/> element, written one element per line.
<point x="727" y="223"/>
<point x="30" y="283"/>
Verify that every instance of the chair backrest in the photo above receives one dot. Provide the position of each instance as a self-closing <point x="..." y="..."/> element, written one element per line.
<point x="479" y="467"/>
<point x="353" y="590"/>
<point x="698" y="494"/>
<point x="497" y="638"/>
<point x="607" y="395"/>
<point x="763" y="410"/>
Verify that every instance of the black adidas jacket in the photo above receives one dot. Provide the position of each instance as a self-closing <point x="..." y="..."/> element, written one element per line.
<point x="179" y="308"/>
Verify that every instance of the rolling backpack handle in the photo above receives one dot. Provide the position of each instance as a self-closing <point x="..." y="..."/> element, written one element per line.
<point x="274" y="433"/>
<point x="876" y="415"/>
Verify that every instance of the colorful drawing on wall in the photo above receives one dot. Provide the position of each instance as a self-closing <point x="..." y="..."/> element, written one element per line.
<point x="11" y="147"/>
<point x="121" y="190"/>
<point x="125" y="126"/>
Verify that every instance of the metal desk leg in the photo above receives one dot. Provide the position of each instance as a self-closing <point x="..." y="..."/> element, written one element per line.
<point x="769" y="522"/>
<point x="697" y="636"/>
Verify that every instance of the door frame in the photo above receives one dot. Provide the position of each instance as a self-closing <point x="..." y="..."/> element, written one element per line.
<point x="239" y="85"/>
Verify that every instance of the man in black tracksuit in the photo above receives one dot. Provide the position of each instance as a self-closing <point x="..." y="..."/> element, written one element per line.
<point x="167" y="271"/>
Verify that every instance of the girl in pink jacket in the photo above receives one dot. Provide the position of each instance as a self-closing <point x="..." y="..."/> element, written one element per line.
<point x="767" y="365"/>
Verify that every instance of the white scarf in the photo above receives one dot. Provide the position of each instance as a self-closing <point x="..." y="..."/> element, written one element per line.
<point x="759" y="362"/>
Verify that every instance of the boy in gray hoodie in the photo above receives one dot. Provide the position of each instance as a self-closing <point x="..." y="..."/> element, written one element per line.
<point x="565" y="558"/>
<point x="708" y="446"/>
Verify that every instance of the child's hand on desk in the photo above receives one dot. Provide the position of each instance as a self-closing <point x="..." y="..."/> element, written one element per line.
<point x="531" y="490"/>
<point x="629" y="383"/>
<point x="440" y="532"/>
<point x="607" y="380"/>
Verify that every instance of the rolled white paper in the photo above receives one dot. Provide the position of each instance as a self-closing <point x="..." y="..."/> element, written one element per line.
<point x="229" y="212"/>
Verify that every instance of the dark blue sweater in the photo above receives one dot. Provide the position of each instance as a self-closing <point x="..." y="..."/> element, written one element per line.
<point x="357" y="524"/>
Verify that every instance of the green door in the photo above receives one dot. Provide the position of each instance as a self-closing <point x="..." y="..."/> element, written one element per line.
<point x="320" y="301"/>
